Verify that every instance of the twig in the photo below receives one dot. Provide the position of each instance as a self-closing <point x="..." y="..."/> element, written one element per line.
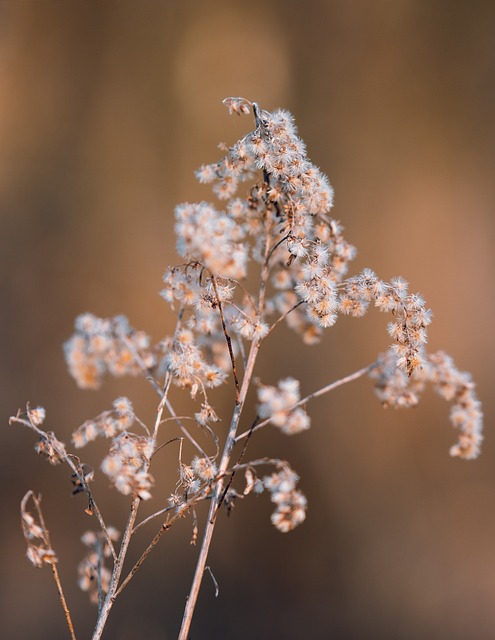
<point x="210" y="523"/>
<point x="229" y="443"/>
<point x="152" y="517"/>
<point x="67" y="458"/>
<point x="158" y="389"/>
<point x="276" y="245"/>
<point x="315" y="394"/>
<point x="165" y="527"/>
<point x="241" y="456"/>
<point x="184" y="430"/>
<point x="283" y="316"/>
<point x="56" y="577"/>
<point x="217" y="590"/>
<point x="99" y="550"/>
<point x="227" y="338"/>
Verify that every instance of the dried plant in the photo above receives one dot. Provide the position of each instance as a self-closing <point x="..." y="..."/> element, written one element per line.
<point x="281" y="235"/>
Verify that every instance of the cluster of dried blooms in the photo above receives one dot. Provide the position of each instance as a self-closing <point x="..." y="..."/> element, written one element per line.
<point x="281" y="229"/>
<point x="291" y="503"/>
<point x="37" y="537"/>
<point x="395" y="389"/>
<point x="278" y="405"/>
<point x="103" y="344"/>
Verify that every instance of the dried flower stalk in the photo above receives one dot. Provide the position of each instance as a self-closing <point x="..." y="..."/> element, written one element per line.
<point x="282" y="229"/>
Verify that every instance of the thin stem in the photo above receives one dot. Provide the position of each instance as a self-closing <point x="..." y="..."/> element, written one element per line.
<point x="283" y="316"/>
<point x="78" y="473"/>
<point x="176" y="439"/>
<point x="315" y="394"/>
<point x="117" y="571"/>
<point x="227" y="337"/>
<point x="245" y="291"/>
<point x="210" y="523"/>
<point x="156" y="386"/>
<point x="151" y="517"/>
<point x="184" y="430"/>
<point x="63" y="601"/>
<point x="56" y="577"/>
<point x="231" y="436"/>
<point x="99" y="549"/>
<point x="236" y="466"/>
<point x="165" y="527"/>
<point x="276" y="245"/>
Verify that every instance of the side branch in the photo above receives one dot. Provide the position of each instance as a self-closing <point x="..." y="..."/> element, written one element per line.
<point x="315" y="394"/>
<point x="50" y="560"/>
<point x="228" y="339"/>
<point x="77" y="471"/>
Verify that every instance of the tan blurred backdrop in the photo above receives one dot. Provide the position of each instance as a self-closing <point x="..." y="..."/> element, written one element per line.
<point x="106" y="108"/>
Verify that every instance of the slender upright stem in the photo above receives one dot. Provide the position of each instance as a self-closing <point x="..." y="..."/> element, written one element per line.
<point x="117" y="572"/>
<point x="231" y="436"/>
<point x="210" y="523"/>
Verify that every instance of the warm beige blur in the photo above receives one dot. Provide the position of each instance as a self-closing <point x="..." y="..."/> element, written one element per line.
<point x="106" y="108"/>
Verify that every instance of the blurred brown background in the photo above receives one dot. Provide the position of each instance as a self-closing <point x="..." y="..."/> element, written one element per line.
<point x="106" y="108"/>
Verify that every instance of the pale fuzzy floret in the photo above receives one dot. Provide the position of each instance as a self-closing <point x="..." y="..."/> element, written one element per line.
<point x="277" y="404"/>
<point x="37" y="416"/>
<point x="39" y="555"/>
<point x="290" y="513"/>
<point x="411" y="319"/>
<point x="181" y="285"/>
<point x="31" y="528"/>
<point x="291" y="503"/>
<point x="37" y="538"/>
<point x="212" y="238"/>
<point x="188" y="366"/>
<point x="251" y="330"/>
<point x="206" y="415"/>
<point x="126" y="465"/>
<point x="466" y="414"/>
<point x="297" y="421"/>
<point x="123" y="407"/>
<point x="107" y="424"/>
<point x="393" y="386"/>
<point x="204" y="468"/>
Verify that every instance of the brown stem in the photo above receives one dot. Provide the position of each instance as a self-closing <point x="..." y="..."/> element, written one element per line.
<point x="63" y="601"/>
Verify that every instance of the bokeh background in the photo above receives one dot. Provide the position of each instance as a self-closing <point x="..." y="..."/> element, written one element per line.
<point x="106" y="108"/>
